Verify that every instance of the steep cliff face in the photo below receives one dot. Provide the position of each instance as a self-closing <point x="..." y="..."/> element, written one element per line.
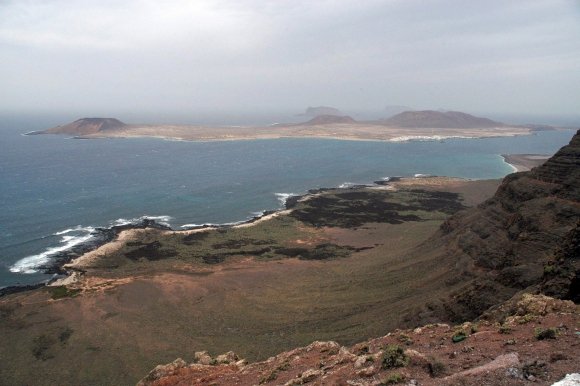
<point x="525" y="236"/>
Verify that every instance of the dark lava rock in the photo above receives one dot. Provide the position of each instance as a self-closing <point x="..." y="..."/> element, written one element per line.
<point x="353" y="208"/>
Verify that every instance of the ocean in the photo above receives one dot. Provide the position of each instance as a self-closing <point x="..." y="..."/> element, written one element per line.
<point x="55" y="191"/>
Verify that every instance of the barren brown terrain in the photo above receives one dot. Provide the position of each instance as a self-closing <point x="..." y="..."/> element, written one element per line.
<point x="338" y="265"/>
<point x="219" y="290"/>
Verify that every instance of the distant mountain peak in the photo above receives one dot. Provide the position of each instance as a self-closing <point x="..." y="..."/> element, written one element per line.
<point x="85" y="126"/>
<point x="440" y="119"/>
<point x="322" y="110"/>
<point x="329" y="119"/>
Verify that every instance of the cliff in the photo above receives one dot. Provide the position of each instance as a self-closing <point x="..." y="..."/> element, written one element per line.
<point x="526" y="237"/>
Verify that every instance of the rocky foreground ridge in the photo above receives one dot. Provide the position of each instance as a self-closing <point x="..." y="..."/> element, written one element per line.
<point x="538" y="342"/>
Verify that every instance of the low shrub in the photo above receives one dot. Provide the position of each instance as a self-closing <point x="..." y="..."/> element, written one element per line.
<point x="393" y="379"/>
<point x="394" y="356"/>
<point x="436" y="368"/>
<point x="545" y="333"/>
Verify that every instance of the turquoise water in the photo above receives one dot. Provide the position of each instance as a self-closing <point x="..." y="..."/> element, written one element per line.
<point x="54" y="190"/>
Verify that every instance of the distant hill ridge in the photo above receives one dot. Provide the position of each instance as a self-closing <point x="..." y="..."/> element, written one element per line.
<point x="439" y="119"/>
<point x="85" y="126"/>
<point x="329" y="119"/>
<point x="322" y="110"/>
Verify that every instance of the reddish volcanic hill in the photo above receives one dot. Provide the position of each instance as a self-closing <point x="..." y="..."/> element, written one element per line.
<point x="437" y="119"/>
<point x="87" y="126"/>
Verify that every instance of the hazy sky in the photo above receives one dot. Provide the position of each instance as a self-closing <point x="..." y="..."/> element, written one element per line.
<point x="104" y="56"/>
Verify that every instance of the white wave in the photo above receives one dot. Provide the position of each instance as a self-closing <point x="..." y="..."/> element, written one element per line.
<point x="387" y="179"/>
<point x="419" y="175"/>
<point x="408" y="138"/>
<point x="78" y="228"/>
<point x="283" y="197"/>
<point x="30" y="264"/>
<point x="345" y="185"/>
<point x="211" y="224"/>
<point x="186" y="226"/>
<point x="163" y="220"/>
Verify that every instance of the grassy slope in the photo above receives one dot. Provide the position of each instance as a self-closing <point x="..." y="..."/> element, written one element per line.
<point x="143" y="312"/>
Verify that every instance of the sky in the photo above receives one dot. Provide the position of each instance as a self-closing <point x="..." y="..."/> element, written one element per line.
<point x="102" y="57"/>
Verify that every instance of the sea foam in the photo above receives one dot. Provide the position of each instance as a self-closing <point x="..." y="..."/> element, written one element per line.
<point x="283" y="197"/>
<point x="163" y="220"/>
<point x="30" y="264"/>
<point x="70" y="238"/>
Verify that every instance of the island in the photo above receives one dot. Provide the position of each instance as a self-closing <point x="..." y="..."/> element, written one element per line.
<point x="406" y="126"/>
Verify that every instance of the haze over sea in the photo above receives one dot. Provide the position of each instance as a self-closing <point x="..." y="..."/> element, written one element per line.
<point x="55" y="190"/>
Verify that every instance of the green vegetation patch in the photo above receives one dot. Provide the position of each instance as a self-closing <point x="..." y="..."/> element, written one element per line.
<point x="394" y="356"/>
<point x="545" y="333"/>
<point x="436" y="368"/>
<point x="393" y="379"/>
<point x="61" y="292"/>
<point x="41" y="346"/>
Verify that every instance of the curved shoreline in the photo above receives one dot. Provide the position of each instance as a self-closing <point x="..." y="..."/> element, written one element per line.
<point x="67" y="264"/>
<point x="524" y="162"/>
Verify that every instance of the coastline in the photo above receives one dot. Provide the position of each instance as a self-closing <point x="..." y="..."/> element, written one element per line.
<point x="68" y="266"/>
<point x="524" y="162"/>
<point x="110" y="239"/>
<point x="360" y="131"/>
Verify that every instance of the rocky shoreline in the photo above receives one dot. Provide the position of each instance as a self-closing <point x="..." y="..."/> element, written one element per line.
<point x="60" y="267"/>
<point x="101" y="236"/>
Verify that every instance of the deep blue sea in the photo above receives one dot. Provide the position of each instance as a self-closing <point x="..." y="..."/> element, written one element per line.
<point x="55" y="190"/>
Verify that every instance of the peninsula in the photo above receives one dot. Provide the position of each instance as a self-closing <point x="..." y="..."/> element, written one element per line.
<point x="410" y="125"/>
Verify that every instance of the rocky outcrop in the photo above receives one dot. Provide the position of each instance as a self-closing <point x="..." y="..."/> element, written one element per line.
<point x="438" y="119"/>
<point x="525" y="237"/>
<point x="86" y="126"/>
<point x="537" y="343"/>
